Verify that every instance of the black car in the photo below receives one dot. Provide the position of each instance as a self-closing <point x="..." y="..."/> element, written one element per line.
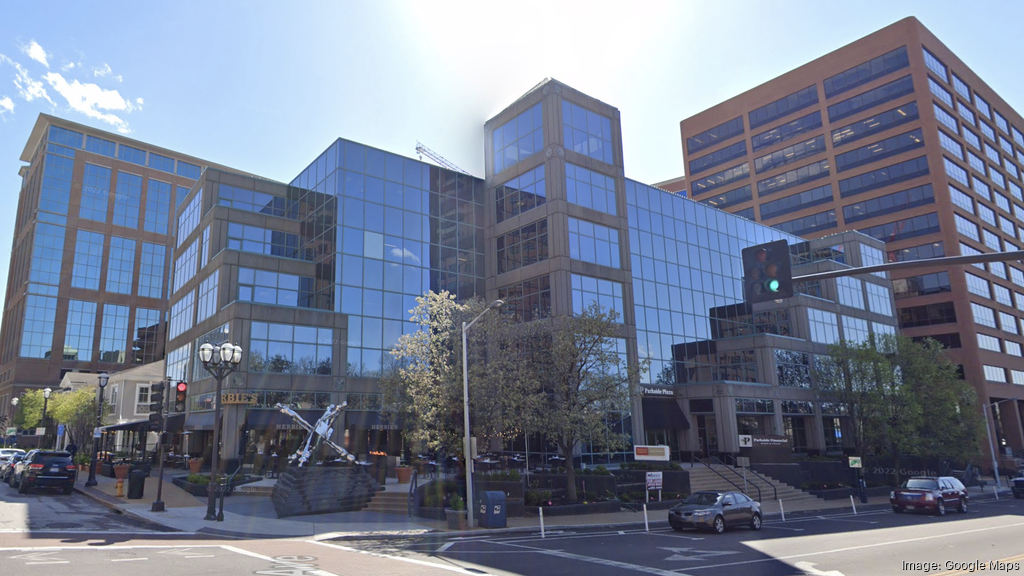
<point x="44" y="468"/>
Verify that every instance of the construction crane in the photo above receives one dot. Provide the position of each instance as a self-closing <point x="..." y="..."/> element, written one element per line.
<point x="440" y="160"/>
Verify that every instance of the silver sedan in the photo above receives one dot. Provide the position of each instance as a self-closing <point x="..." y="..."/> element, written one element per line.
<point x="716" y="511"/>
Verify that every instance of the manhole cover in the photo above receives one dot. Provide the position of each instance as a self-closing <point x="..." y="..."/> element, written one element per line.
<point x="63" y="525"/>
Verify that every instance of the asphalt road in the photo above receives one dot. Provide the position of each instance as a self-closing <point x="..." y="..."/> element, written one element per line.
<point x="44" y="511"/>
<point x="870" y="543"/>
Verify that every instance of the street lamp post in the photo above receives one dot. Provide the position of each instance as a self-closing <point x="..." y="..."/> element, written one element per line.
<point x="219" y="361"/>
<point x="46" y="429"/>
<point x="14" y="410"/>
<point x="465" y="413"/>
<point x="991" y="445"/>
<point x="103" y="378"/>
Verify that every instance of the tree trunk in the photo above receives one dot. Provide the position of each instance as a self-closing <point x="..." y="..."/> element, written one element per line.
<point x="896" y="466"/>
<point x="570" y="473"/>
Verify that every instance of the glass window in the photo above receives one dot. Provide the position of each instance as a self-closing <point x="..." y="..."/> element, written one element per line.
<point x="517" y="139"/>
<point x="978" y="286"/>
<point x="606" y="293"/>
<point x="726" y="199"/>
<point x="976" y="163"/>
<point x="1000" y="121"/>
<point x="129" y="197"/>
<point x="921" y="252"/>
<point x="37" y="332"/>
<point x="291" y="349"/>
<point x="713" y="136"/>
<point x="88" y="260"/>
<point x="521" y="194"/>
<point x="983" y="315"/>
<point x="871" y="98"/>
<point x="114" y="334"/>
<point x="982" y="106"/>
<point x="786" y="131"/>
<point x="81" y="328"/>
<point x="523" y="247"/>
<point x="798" y="201"/>
<point x="965" y="112"/>
<point x="808" y="224"/>
<point x="591" y="189"/>
<point x="162" y="163"/>
<point x="527" y="301"/>
<point x="879" y="150"/>
<point x="850" y="292"/>
<point x="935" y="65"/>
<point x="1002" y="293"/>
<point x="905" y="228"/>
<point x="1008" y="323"/>
<point x="955" y="172"/>
<point x="855" y="330"/>
<point x="66" y="137"/>
<point x="961" y="199"/>
<point x="883" y="177"/>
<point x="98" y="145"/>
<point x="986" y="342"/>
<point x="158" y="206"/>
<point x="877" y="123"/>
<point x="783" y="106"/>
<point x="727" y="176"/>
<point x="55" y="190"/>
<point x="586" y="132"/>
<point x="790" y="154"/>
<point x="922" y="285"/>
<point x="275" y="288"/>
<point x="593" y="243"/>
<point x="185" y="266"/>
<point x="147" y="346"/>
<point x="945" y="118"/>
<point x="188" y="220"/>
<point x="188" y="170"/>
<point x="997" y="178"/>
<point x="824" y="326"/>
<point x="966" y="227"/>
<point x="987" y="131"/>
<point x="995" y="373"/>
<point x="1018" y="137"/>
<point x="151" y="270"/>
<point x="120" y="265"/>
<point x="972" y="139"/>
<point x="718" y="157"/>
<point x="940" y="92"/>
<point x="793" y="368"/>
<point x="181" y="315"/>
<point x="793" y="178"/>
<point x="206" y="305"/>
<point x="95" y="192"/>
<point x="951" y="145"/>
<point x="133" y="155"/>
<point x="961" y="87"/>
<point x="259" y="202"/>
<point x="929" y="315"/>
<point x="992" y="154"/>
<point x="262" y="241"/>
<point x="866" y="72"/>
<point x="890" y="203"/>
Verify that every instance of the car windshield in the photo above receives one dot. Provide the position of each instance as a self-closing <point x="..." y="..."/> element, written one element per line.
<point x="921" y="484"/>
<point x="702" y="498"/>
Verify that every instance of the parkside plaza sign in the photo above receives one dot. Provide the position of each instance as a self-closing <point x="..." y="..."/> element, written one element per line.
<point x="652" y="391"/>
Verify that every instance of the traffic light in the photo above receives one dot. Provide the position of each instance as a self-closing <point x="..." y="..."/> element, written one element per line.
<point x="180" y="394"/>
<point x="156" y="405"/>
<point x="767" y="273"/>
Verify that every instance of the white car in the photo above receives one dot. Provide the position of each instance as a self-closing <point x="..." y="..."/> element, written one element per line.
<point x="6" y="453"/>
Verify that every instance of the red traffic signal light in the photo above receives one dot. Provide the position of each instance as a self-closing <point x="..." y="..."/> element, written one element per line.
<point x="180" y="395"/>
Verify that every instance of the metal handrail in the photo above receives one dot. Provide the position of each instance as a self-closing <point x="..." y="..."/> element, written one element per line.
<point x="412" y="491"/>
<point x="775" y="490"/>
<point x="726" y="479"/>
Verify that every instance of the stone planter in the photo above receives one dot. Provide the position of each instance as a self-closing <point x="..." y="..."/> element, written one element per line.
<point x="456" y="519"/>
<point x="121" y="471"/>
<point x="404" y="474"/>
<point x="194" y="465"/>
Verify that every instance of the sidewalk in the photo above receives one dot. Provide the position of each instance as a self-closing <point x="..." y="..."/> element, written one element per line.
<point x="252" y="516"/>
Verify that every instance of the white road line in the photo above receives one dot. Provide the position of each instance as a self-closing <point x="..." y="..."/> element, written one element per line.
<point x="129" y="559"/>
<point x="445" y="547"/>
<point x="774" y="527"/>
<point x="601" y="561"/>
<point x="456" y="569"/>
<point x="54" y="562"/>
<point x="862" y="547"/>
<point x="313" y="572"/>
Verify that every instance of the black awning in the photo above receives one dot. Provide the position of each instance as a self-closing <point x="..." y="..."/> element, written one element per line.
<point x="256" y="419"/>
<point x="200" y="421"/>
<point x="663" y="413"/>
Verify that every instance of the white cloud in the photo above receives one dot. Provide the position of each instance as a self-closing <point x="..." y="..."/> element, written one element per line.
<point x="28" y="88"/>
<point x="36" y="52"/>
<point x="6" y="105"/>
<point x="106" y="70"/>
<point x="71" y="66"/>
<point x="94" y="101"/>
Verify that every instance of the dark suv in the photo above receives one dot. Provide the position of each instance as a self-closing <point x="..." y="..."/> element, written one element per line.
<point x="44" y="468"/>
<point x="930" y="493"/>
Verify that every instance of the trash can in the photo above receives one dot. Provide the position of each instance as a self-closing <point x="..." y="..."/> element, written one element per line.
<point x="492" y="510"/>
<point x="136" y="484"/>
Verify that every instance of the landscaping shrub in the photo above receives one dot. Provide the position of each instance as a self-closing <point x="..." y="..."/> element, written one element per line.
<point x="653" y="466"/>
<point x="509" y="476"/>
<point x="457" y="503"/>
<point x="537" y="497"/>
<point x="200" y="479"/>
<point x="598" y="471"/>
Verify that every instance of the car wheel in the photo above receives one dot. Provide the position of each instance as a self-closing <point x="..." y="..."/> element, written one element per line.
<point x="677" y="528"/>
<point x="897" y="509"/>
<point x="69" y="489"/>
<point x="755" y="521"/>
<point x="23" y="488"/>
<point x="940" y="508"/>
<point x="961" y="506"/>
<point x="719" y="525"/>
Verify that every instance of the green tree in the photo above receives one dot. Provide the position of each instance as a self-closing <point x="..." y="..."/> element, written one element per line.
<point x="584" y="377"/>
<point x="904" y="398"/>
<point x="422" y="383"/>
<point x="76" y="410"/>
<point x="30" y="410"/>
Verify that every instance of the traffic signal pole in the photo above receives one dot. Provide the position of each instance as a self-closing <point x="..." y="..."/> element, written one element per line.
<point x="926" y="263"/>
<point x="158" y="504"/>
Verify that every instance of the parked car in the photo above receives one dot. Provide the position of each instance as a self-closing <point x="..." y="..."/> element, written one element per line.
<point x="1017" y="485"/>
<point x="716" y="511"/>
<point x="933" y="493"/>
<point x="44" y="468"/>
<point x="5" y="452"/>
<point x="7" y="464"/>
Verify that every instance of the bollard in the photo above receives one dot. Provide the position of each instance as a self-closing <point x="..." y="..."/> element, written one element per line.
<point x="996" y="492"/>
<point x="541" y="510"/>
<point x="120" y="488"/>
<point x="647" y="528"/>
<point x="853" y="505"/>
<point x="782" y="511"/>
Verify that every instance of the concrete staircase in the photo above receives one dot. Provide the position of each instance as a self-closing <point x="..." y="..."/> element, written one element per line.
<point x="703" y="478"/>
<point x="390" y="501"/>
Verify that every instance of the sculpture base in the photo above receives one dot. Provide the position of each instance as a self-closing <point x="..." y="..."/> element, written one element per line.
<point x="322" y="490"/>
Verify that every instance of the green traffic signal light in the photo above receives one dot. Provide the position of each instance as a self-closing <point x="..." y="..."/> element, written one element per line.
<point x="773" y="285"/>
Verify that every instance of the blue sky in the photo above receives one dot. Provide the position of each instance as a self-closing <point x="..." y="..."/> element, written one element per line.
<point x="265" y="86"/>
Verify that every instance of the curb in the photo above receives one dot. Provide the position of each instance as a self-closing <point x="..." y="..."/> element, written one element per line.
<point x="115" y="505"/>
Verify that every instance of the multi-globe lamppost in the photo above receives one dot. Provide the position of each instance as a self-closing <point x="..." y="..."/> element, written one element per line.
<point x="465" y="412"/>
<point x="219" y="361"/>
<point x="14" y="410"/>
<point x="103" y="378"/>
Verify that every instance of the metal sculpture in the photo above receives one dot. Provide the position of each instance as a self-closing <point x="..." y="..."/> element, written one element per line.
<point x="322" y="429"/>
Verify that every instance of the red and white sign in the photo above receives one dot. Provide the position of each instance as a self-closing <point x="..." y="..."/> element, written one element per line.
<point x="657" y="452"/>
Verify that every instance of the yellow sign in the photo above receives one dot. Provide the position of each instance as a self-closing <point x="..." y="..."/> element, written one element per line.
<point x="237" y="398"/>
